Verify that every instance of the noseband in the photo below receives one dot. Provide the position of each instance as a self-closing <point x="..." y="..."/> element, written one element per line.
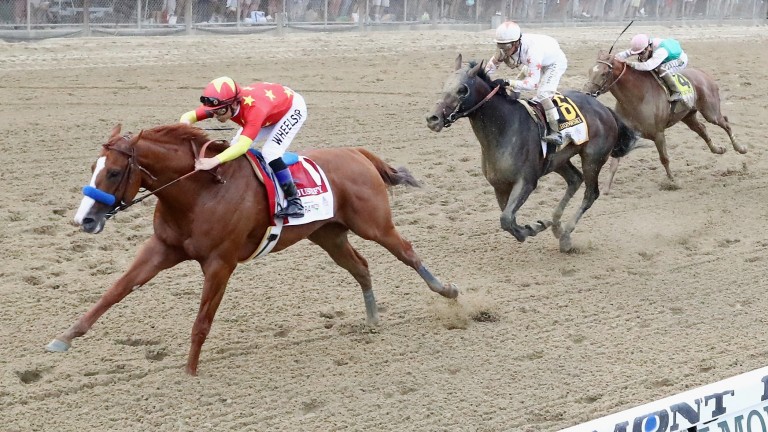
<point x="457" y="113"/>
<point x="602" y="87"/>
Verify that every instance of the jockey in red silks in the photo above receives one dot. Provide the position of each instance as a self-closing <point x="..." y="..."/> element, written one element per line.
<point x="266" y="111"/>
<point x="665" y="56"/>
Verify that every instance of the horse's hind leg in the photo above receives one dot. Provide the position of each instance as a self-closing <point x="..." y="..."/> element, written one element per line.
<point x="714" y="116"/>
<point x="153" y="257"/>
<point x="573" y="178"/>
<point x="591" y="172"/>
<point x="695" y="125"/>
<point x="333" y="239"/>
<point x="384" y="233"/>
<point x="613" y="167"/>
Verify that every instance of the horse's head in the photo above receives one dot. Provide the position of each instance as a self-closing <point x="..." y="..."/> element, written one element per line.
<point x="115" y="181"/>
<point x="463" y="92"/>
<point x="604" y="74"/>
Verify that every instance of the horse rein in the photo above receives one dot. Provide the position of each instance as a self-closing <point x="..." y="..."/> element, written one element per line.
<point x="455" y="115"/>
<point x="132" y="162"/>
<point x="601" y="88"/>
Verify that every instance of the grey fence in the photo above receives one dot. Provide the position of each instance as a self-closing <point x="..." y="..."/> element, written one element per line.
<point x="171" y="16"/>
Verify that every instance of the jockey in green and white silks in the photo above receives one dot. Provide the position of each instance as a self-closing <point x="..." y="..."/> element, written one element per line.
<point x="664" y="56"/>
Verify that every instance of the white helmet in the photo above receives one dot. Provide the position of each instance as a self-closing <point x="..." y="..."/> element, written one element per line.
<point x="507" y="32"/>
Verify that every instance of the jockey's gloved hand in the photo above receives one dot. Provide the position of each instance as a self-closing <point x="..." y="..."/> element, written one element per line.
<point x="501" y="82"/>
<point x="632" y="64"/>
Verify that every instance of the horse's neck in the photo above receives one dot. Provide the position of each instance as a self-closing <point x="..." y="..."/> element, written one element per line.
<point x="495" y="119"/>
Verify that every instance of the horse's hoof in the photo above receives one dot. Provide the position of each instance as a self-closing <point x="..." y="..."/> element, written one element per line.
<point x="451" y="291"/>
<point x="718" y="150"/>
<point x="57" y="346"/>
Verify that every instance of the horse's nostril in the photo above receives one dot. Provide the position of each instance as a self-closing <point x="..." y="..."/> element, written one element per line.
<point x="432" y="119"/>
<point x="88" y="221"/>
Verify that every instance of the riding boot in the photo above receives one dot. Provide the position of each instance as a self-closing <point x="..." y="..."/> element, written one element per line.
<point x="674" y="93"/>
<point x="293" y="207"/>
<point x="554" y="136"/>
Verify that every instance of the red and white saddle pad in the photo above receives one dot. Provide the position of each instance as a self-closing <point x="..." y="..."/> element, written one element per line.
<point x="313" y="188"/>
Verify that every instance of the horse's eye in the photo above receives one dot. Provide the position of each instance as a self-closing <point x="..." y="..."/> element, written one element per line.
<point x="113" y="174"/>
<point x="463" y="91"/>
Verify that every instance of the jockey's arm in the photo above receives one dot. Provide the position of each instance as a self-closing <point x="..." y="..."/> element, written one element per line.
<point x="623" y="55"/>
<point x="492" y="65"/>
<point x="531" y="80"/>
<point x="195" y="115"/>
<point x="659" y="54"/>
<point x="236" y="149"/>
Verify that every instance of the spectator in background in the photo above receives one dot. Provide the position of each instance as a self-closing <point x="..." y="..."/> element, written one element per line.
<point x="379" y="9"/>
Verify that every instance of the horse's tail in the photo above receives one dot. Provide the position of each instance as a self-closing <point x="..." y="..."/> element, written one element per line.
<point x="627" y="138"/>
<point x="391" y="176"/>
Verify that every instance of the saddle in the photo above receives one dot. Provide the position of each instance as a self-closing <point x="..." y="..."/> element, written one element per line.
<point x="313" y="188"/>
<point x="572" y="124"/>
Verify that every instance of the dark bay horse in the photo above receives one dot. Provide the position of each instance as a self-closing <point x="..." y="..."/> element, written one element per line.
<point x="219" y="225"/>
<point x="642" y="103"/>
<point x="512" y="159"/>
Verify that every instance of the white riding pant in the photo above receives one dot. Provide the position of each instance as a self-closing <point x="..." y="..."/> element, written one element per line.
<point x="550" y="79"/>
<point x="673" y="66"/>
<point x="278" y="137"/>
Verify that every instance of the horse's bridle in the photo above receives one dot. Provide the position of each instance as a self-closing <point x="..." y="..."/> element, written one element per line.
<point x="125" y="178"/>
<point x="602" y="87"/>
<point x="133" y="163"/>
<point x="457" y="113"/>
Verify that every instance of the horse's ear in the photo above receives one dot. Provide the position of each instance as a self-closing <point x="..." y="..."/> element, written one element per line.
<point x="473" y="72"/>
<point x="115" y="131"/>
<point x="138" y="137"/>
<point x="458" y="62"/>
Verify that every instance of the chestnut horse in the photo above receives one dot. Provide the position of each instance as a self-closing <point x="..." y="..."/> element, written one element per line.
<point x="219" y="224"/>
<point x="510" y="142"/>
<point x="643" y="104"/>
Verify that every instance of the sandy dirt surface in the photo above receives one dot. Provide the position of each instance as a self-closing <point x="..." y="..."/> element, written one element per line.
<point x="666" y="291"/>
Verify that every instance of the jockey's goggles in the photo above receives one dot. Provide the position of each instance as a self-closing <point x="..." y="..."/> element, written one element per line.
<point x="506" y="46"/>
<point x="212" y="102"/>
<point x="221" y="111"/>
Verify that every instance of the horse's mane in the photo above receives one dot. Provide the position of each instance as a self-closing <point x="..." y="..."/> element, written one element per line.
<point x="484" y="76"/>
<point x="177" y="132"/>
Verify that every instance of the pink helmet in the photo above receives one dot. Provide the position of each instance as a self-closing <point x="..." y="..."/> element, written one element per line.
<point x="639" y="42"/>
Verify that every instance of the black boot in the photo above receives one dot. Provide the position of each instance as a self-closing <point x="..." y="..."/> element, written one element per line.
<point x="548" y="161"/>
<point x="293" y="208"/>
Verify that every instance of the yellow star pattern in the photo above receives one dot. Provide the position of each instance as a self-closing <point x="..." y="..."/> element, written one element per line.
<point x="267" y="124"/>
<point x="269" y="94"/>
<point x="248" y="100"/>
<point x="288" y="91"/>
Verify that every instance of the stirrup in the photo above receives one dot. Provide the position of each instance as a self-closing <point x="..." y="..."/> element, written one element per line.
<point x="555" y="138"/>
<point x="293" y="209"/>
<point x="674" y="97"/>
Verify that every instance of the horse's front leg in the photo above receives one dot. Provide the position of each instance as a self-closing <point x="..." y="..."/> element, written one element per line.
<point x="217" y="272"/>
<point x="517" y="197"/>
<point x="153" y="257"/>
<point x="573" y="178"/>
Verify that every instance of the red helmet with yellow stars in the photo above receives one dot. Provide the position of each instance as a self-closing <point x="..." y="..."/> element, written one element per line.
<point x="219" y="93"/>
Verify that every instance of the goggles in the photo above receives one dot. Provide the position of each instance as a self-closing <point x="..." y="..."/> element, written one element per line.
<point x="212" y="102"/>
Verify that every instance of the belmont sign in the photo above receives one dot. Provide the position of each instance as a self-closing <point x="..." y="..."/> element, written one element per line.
<point x="737" y="404"/>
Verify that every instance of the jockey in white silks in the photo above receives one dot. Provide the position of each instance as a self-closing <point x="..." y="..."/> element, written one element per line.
<point x="544" y="64"/>
<point x="664" y="56"/>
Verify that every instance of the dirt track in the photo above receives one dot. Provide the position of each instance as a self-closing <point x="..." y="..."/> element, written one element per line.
<point x="667" y="291"/>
